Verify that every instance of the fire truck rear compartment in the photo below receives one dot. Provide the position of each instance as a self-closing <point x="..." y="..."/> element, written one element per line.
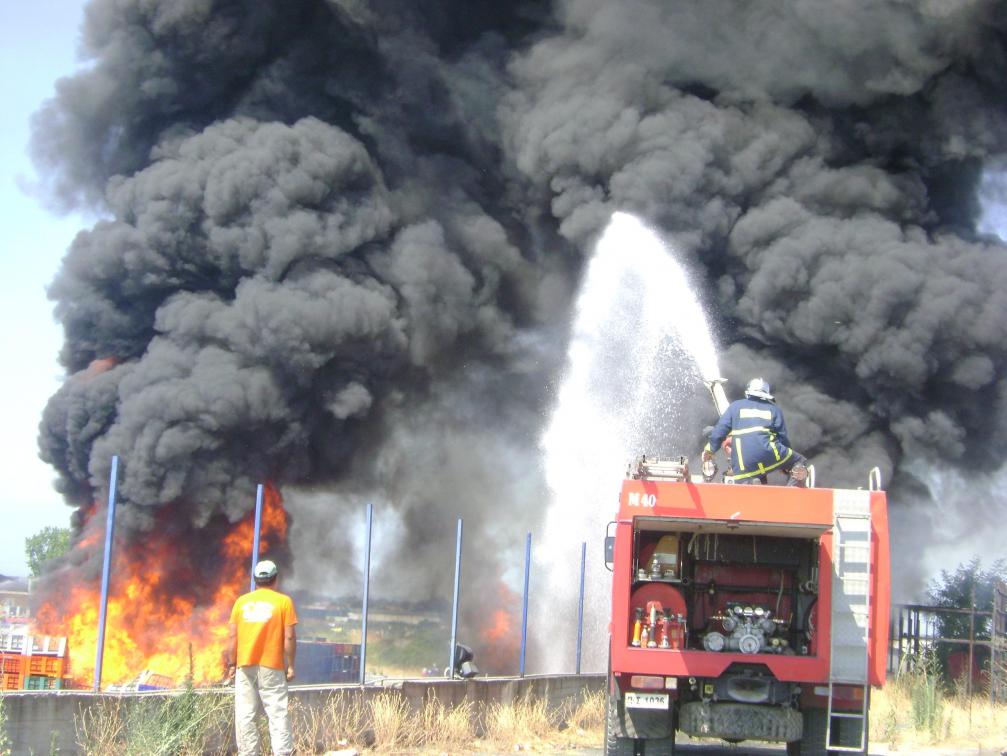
<point x="742" y="592"/>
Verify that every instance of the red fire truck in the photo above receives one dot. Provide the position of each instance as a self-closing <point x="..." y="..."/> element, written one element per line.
<point x="744" y="612"/>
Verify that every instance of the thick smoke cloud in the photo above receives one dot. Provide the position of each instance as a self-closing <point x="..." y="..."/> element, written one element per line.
<point x="342" y="237"/>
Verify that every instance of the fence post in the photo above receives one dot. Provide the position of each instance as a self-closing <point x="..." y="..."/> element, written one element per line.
<point x="580" y="604"/>
<point x="454" y="600"/>
<point x="367" y="593"/>
<point x="972" y="639"/>
<point x="255" y="535"/>
<point x="105" y="570"/>
<point x="524" y="602"/>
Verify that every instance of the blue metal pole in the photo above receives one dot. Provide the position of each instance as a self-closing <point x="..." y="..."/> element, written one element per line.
<point x="255" y="536"/>
<point x="454" y="600"/>
<point x="524" y="601"/>
<point x="580" y="603"/>
<point x="367" y="592"/>
<point x="105" y="569"/>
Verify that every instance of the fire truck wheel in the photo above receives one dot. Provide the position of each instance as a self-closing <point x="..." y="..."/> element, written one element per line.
<point x="615" y="744"/>
<point x="660" y="746"/>
<point x="812" y="742"/>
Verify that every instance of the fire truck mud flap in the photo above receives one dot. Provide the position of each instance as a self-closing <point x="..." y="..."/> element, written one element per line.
<point x="734" y="721"/>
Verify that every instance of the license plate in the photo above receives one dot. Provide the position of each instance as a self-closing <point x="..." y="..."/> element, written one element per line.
<point x="646" y="700"/>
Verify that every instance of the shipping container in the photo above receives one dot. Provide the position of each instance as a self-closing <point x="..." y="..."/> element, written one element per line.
<point x="325" y="662"/>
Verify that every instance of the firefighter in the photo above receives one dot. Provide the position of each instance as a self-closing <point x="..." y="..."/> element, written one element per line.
<point x="757" y="435"/>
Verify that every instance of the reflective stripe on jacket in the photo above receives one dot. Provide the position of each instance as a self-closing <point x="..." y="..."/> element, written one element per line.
<point x="759" y="441"/>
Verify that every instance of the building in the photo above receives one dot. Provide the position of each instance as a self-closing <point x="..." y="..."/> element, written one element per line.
<point x="15" y="608"/>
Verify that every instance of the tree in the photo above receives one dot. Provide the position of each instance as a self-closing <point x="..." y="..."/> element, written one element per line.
<point x="957" y="590"/>
<point x="50" y="542"/>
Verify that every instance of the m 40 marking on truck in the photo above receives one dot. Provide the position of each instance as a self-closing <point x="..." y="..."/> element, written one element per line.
<point x="637" y="499"/>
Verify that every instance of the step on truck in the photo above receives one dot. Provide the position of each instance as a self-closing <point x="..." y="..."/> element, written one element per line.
<point x="744" y="612"/>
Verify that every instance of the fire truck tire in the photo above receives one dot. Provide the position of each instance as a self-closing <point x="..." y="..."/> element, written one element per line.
<point x="733" y="721"/>
<point x="660" y="746"/>
<point x="812" y="742"/>
<point x="615" y="742"/>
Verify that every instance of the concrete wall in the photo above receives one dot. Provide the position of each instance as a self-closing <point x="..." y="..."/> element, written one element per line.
<point x="35" y="720"/>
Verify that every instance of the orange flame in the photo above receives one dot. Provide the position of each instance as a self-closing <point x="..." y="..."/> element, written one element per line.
<point x="499" y="627"/>
<point x="97" y="366"/>
<point x="500" y="635"/>
<point x="160" y="608"/>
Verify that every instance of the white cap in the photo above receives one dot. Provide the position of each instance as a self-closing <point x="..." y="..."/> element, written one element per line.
<point x="265" y="569"/>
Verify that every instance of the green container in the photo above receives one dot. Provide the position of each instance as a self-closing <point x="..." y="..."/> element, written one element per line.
<point x="43" y="682"/>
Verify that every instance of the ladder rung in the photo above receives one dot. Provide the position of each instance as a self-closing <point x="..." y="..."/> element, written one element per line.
<point x="847" y="715"/>
<point x="846" y="749"/>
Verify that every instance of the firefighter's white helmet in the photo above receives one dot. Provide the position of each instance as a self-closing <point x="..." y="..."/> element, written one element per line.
<point x="759" y="389"/>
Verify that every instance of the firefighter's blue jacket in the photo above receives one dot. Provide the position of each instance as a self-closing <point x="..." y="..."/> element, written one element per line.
<point x="759" y="442"/>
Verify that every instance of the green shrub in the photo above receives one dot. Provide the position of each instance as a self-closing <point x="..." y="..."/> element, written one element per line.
<point x="921" y="678"/>
<point x="188" y="723"/>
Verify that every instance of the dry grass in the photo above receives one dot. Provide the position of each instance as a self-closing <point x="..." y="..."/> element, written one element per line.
<point x="340" y="722"/>
<point x="5" y="742"/>
<point x="100" y="728"/>
<point x="391" y="722"/>
<point x="189" y="724"/>
<point x="521" y="725"/>
<point x="912" y="713"/>
<point x="382" y="723"/>
<point x="589" y="714"/>
<point x="446" y="729"/>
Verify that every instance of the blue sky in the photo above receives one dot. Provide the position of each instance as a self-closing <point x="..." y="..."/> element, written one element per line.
<point x="38" y="44"/>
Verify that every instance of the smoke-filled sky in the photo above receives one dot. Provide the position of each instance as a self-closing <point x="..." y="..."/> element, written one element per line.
<point x="343" y="239"/>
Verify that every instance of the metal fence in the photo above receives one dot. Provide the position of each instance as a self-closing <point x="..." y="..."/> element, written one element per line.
<point x="458" y="655"/>
<point x="916" y="629"/>
<point x="998" y="660"/>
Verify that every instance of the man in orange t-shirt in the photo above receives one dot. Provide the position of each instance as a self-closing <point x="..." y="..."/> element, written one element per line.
<point x="261" y="648"/>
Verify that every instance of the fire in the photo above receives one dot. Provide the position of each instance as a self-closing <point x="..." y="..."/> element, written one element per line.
<point x="170" y="596"/>
<point x="499" y="627"/>
<point x="100" y="365"/>
<point x="500" y="635"/>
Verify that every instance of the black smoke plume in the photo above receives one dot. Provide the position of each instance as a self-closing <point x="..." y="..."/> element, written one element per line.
<point x="342" y="239"/>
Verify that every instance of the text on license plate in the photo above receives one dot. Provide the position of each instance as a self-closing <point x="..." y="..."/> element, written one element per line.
<point x="646" y="700"/>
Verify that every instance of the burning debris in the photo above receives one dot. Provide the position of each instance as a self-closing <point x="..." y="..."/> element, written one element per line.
<point x="341" y="239"/>
<point x="171" y="599"/>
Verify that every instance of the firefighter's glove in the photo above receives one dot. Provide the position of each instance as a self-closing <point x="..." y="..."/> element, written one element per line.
<point x="799" y="474"/>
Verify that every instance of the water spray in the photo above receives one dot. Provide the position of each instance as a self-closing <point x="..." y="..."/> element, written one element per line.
<point x="640" y="347"/>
